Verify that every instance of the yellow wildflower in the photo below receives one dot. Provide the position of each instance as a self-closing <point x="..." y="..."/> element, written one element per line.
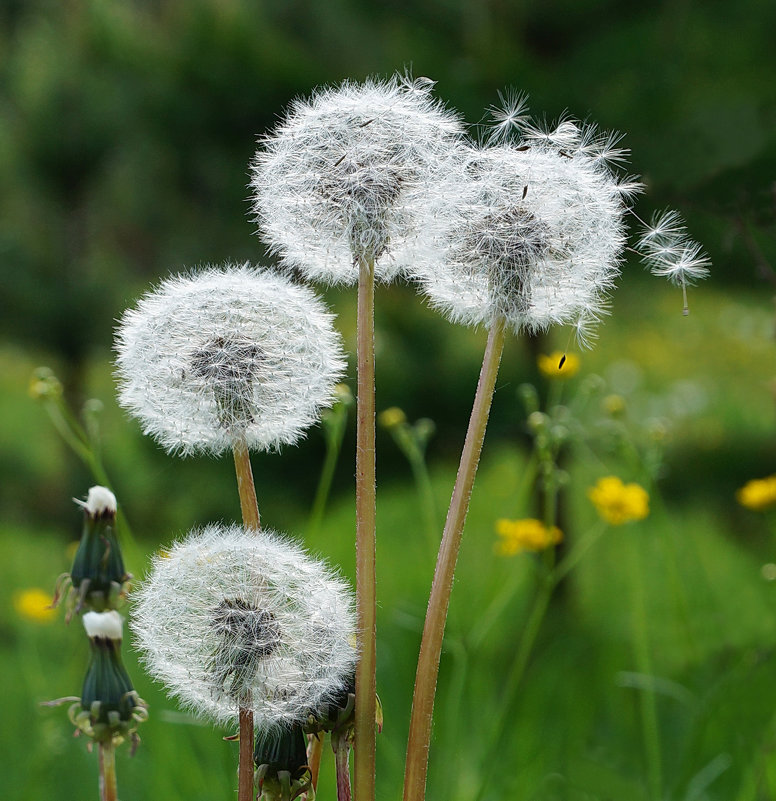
<point x="558" y="365"/>
<point x="614" y="405"/>
<point x="34" y="604"/>
<point x="525" y="535"/>
<point x="758" y="494"/>
<point x="392" y="417"/>
<point x="619" y="503"/>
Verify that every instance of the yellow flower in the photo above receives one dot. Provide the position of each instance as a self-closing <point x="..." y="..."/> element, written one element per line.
<point x="34" y="604"/>
<point x="392" y="417"/>
<point x="614" y="405"/>
<point x="619" y="503"/>
<point x="558" y="365"/>
<point x="758" y="494"/>
<point x="525" y="535"/>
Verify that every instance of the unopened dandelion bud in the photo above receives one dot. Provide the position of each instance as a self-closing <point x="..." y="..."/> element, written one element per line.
<point x="44" y="385"/>
<point x="109" y="708"/>
<point x="392" y="417"/>
<point x="282" y="773"/>
<point x="98" y="579"/>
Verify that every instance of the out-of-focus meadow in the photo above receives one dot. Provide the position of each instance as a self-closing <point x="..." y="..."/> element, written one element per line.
<point x="125" y="137"/>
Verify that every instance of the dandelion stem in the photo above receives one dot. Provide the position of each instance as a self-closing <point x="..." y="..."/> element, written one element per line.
<point x="245" y="486"/>
<point x="341" y="754"/>
<point x="433" y="631"/>
<point x="314" y="753"/>
<point x="107" y="760"/>
<point x="366" y="603"/>
<point x="251" y="520"/>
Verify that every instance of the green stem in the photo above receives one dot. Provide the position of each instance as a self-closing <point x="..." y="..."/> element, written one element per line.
<point x="419" y="740"/>
<point x="425" y="493"/>
<point x="649" y="719"/>
<point x="251" y="520"/>
<point x="333" y="446"/>
<point x="107" y="761"/>
<point x="366" y="599"/>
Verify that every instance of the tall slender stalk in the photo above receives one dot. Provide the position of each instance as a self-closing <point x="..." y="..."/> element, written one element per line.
<point x="107" y="760"/>
<point x="251" y="520"/>
<point x="366" y="603"/>
<point x="433" y="631"/>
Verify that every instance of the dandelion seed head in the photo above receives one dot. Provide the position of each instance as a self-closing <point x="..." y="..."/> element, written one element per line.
<point x="345" y="174"/>
<point x="534" y="234"/>
<point x="232" y="617"/>
<point x="227" y="354"/>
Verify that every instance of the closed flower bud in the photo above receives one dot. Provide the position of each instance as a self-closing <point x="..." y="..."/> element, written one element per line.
<point x="98" y="579"/>
<point x="109" y="709"/>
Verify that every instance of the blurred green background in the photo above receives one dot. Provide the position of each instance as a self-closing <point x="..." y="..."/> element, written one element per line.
<point x="125" y="134"/>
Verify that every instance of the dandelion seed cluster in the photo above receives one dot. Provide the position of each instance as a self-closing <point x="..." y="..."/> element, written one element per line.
<point x="231" y="618"/>
<point x="346" y="174"/>
<point x="535" y="230"/>
<point x="225" y="355"/>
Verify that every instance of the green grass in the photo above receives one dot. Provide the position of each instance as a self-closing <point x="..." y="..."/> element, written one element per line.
<point x="574" y="729"/>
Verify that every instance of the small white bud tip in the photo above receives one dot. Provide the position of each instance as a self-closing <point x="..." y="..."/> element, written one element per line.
<point x="103" y="624"/>
<point x="99" y="501"/>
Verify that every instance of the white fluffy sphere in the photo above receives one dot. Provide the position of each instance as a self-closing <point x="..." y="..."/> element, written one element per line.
<point x="225" y="355"/>
<point x="534" y="234"/>
<point x="231" y="618"/>
<point x="346" y="174"/>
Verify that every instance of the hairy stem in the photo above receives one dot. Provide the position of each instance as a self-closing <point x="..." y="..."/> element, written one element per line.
<point x="245" y="486"/>
<point x="107" y="760"/>
<point x="251" y="520"/>
<point x="433" y="631"/>
<point x="341" y="754"/>
<point x="314" y="753"/>
<point x="366" y="603"/>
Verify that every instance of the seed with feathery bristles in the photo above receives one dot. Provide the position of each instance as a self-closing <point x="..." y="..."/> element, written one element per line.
<point x="231" y="618"/>
<point x="345" y="174"/>
<point x="225" y="355"/>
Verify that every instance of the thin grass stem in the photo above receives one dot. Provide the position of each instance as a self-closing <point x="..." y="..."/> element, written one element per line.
<point x="647" y="700"/>
<point x="418" y="744"/>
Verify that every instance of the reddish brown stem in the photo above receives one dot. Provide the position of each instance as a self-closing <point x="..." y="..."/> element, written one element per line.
<point x="434" y="628"/>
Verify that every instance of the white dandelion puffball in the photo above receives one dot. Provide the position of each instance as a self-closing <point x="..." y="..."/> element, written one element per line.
<point x="534" y="235"/>
<point x="345" y="174"/>
<point x="227" y="355"/>
<point x="230" y="618"/>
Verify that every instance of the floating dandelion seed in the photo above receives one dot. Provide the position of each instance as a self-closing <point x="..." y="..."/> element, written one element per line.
<point x="346" y="174"/>
<point x="230" y="618"/>
<point x="668" y="251"/>
<point x="224" y="355"/>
